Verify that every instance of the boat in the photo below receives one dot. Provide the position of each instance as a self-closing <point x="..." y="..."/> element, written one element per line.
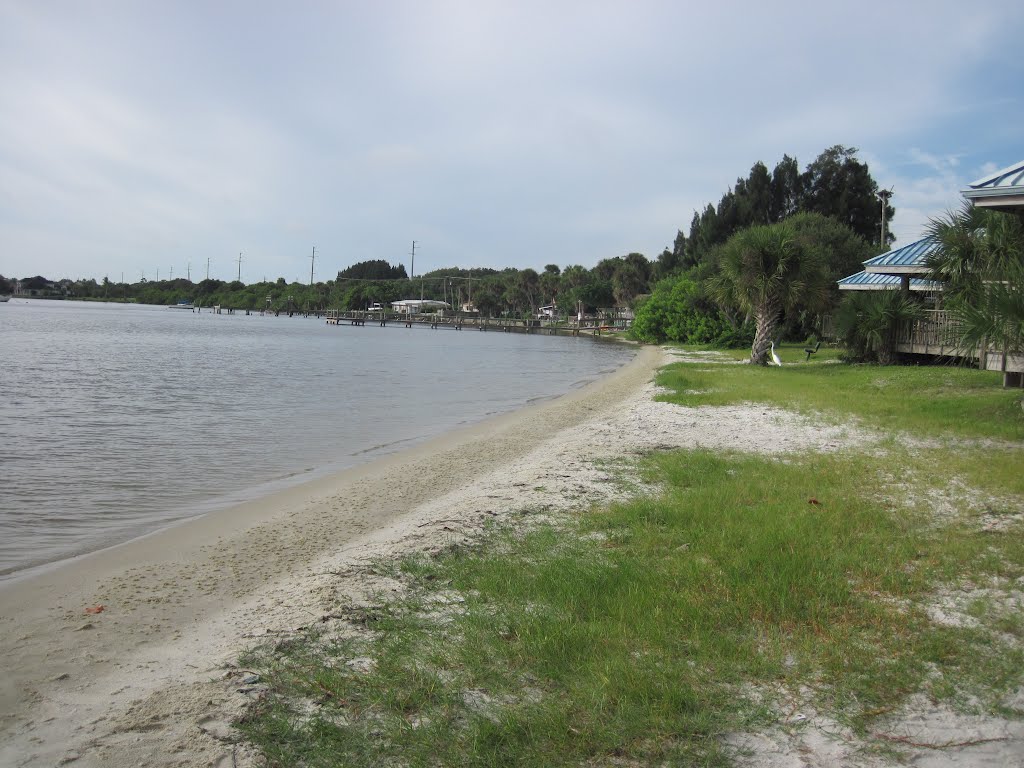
<point x="183" y="304"/>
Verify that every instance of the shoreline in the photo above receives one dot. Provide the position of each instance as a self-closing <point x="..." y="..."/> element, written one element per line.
<point x="282" y="485"/>
<point x="126" y="478"/>
<point x="180" y="602"/>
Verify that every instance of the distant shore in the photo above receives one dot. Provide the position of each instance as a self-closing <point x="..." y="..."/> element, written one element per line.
<point x="92" y="644"/>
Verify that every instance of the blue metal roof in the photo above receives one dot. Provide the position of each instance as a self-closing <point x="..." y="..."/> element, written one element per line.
<point x="1006" y="179"/>
<point x="908" y="259"/>
<point x="868" y="281"/>
<point x="1002" y="191"/>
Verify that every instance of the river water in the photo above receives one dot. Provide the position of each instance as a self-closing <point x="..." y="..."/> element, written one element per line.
<point x="117" y="419"/>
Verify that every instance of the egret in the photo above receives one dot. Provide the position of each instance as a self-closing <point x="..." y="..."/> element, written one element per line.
<point x="775" y="358"/>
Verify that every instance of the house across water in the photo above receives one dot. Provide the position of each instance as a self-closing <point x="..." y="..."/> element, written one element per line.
<point x="418" y="306"/>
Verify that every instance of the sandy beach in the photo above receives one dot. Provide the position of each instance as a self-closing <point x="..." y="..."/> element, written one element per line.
<point x="149" y="679"/>
<point x="139" y="682"/>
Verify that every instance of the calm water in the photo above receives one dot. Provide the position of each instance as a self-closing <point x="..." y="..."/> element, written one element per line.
<point x="117" y="419"/>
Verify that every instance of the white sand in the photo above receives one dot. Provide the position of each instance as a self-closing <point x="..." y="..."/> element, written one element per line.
<point x="145" y="682"/>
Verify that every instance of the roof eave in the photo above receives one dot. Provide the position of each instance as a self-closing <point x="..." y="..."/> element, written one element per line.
<point x="890" y="287"/>
<point x="897" y="270"/>
<point x="868" y="287"/>
<point x="978" y="194"/>
<point x="1004" y="203"/>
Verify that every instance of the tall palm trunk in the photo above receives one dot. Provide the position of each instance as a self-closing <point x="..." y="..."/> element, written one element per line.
<point x="887" y="348"/>
<point x="767" y="320"/>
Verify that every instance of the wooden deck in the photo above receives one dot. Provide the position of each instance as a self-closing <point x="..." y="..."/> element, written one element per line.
<point x="935" y="334"/>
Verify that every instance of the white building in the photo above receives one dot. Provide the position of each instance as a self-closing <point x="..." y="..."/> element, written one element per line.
<point x="418" y="306"/>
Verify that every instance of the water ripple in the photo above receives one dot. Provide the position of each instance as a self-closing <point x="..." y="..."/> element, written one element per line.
<point x="118" y="419"/>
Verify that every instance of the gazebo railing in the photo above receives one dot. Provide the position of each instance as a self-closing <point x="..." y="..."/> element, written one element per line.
<point x="936" y="329"/>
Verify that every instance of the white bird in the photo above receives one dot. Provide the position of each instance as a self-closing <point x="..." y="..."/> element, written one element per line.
<point x="775" y="358"/>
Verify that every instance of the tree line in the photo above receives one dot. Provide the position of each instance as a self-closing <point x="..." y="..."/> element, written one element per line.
<point x="763" y="263"/>
<point x="612" y="282"/>
<point x="830" y="208"/>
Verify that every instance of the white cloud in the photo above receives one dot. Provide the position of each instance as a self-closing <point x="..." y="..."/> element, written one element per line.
<point x="516" y="133"/>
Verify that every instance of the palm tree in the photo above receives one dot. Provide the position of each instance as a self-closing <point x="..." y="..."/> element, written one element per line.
<point x="996" y="317"/>
<point x="980" y="260"/>
<point x="975" y="246"/>
<point x="765" y="271"/>
<point x="867" y="323"/>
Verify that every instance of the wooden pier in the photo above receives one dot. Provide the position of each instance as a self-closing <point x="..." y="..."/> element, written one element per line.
<point x="460" y="322"/>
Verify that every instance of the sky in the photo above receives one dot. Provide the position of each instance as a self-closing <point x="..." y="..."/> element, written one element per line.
<point x="147" y="138"/>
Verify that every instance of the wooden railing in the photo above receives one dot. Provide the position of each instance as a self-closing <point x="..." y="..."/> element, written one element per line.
<point x="935" y="331"/>
<point x="936" y="334"/>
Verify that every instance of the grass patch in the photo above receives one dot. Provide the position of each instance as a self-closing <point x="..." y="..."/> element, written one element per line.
<point x="641" y="634"/>
<point x="924" y="400"/>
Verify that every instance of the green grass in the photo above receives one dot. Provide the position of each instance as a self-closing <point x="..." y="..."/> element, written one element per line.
<point x="639" y="634"/>
<point x="940" y="401"/>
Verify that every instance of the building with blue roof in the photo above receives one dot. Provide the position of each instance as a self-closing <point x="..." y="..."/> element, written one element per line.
<point x="905" y="267"/>
<point x="1001" y="191"/>
<point x="907" y="260"/>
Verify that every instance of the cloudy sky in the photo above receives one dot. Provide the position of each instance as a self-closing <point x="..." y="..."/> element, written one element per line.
<point x="155" y="135"/>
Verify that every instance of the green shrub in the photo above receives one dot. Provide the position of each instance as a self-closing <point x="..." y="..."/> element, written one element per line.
<point x="867" y="323"/>
<point x="740" y="337"/>
<point x="677" y="311"/>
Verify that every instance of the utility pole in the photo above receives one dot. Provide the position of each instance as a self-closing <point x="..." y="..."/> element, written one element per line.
<point x="239" y="266"/>
<point x="172" y="273"/>
<point x="188" y="270"/>
<point x="412" y="266"/>
<point x="158" y="274"/>
<point x="312" y="260"/>
<point x="884" y="196"/>
<point x="207" y="267"/>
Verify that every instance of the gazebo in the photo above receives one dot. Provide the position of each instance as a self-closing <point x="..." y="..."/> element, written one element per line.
<point x="904" y="267"/>
<point x="1002" y="191"/>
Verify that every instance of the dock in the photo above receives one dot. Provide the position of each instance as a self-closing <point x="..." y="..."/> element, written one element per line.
<point x="460" y="322"/>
